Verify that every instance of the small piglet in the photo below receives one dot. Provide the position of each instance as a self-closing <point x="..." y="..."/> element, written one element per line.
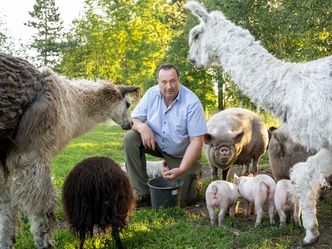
<point x="257" y="190"/>
<point x="285" y="199"/>
<point x="223" y="195"/>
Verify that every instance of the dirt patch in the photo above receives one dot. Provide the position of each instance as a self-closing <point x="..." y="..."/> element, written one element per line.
<point x="324" y="210"/>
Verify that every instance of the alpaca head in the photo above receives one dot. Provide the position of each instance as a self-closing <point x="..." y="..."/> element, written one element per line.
<point x="202" y="38"/>
<point x="117" y="101"/>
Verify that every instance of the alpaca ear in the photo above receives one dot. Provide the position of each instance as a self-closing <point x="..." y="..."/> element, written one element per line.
<point x="197" y="10"/>
<point x="129" y="89"/>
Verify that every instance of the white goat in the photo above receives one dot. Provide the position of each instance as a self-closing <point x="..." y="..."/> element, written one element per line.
<point x="45" y="112"/>
<point x="298" y="93"/>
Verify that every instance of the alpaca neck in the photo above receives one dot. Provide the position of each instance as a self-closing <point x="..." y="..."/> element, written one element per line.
<point x="91" y="113"/>
<point x="251" y="66"/>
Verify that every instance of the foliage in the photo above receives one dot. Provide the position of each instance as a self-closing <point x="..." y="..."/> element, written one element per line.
<point x="119" y="40"/>
<point x="199" y="81"/>
<point x="46" y="19"/>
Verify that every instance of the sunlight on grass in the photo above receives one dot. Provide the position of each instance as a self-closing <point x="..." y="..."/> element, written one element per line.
<point x="83" y="145"/>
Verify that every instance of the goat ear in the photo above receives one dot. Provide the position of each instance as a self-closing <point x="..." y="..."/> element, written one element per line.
<point x="238" y="136"/>
<point x="197" y="10"/>
<point x="207" y="138"/>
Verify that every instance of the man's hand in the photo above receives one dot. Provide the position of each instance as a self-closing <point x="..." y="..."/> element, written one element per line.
<point x="170" y="174"/>
<point x="148" y="138"/>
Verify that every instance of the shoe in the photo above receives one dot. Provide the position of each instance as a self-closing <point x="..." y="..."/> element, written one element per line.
<point x="143" y="200"/>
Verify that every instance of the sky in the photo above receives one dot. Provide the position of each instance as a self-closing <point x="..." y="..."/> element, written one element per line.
<point x="15" y="13"/>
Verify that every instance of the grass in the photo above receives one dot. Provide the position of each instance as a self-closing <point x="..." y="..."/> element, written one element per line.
<point x="170" y="228"/>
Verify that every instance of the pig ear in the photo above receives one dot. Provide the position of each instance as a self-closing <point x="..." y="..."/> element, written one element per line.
<point x="236" y="179"/>
<point x="238" y="136"/>
<point x="207" y="138"/>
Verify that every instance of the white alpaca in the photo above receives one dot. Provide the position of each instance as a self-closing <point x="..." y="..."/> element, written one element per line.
<point x="298" y="93"/>
<point x="55" y="111"/>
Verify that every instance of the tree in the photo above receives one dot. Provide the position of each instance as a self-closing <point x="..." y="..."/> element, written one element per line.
<point x="47" y="40"/>
<point x="124" y="40"/>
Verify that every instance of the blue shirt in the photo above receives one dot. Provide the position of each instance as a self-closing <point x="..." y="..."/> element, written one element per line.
<point x="174" y="125"/>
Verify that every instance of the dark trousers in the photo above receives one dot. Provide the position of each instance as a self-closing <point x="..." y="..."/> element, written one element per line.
<point x="136" y="168"/>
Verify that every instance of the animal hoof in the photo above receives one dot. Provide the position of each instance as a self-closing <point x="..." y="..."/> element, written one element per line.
<point x="310" y="242"/>
<point x="312" y="236"/>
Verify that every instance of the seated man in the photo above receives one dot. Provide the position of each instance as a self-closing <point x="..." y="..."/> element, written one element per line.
<point x="168" y="122"/>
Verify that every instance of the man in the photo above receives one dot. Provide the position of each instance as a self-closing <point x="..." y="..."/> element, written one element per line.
<point x="168" y="122"/>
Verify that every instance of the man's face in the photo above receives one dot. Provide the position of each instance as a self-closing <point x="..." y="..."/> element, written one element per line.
<point x="169" y="83"/>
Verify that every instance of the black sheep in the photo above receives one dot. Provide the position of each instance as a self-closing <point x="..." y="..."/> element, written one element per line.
<point x="97" y="192"/>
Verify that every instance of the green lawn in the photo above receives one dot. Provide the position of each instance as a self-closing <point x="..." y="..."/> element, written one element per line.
<point x="173" y="228"/>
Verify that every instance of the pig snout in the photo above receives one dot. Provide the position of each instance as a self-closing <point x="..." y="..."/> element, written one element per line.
<point x="224" y="151"/>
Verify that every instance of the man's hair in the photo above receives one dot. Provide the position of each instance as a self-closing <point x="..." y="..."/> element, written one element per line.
<point x="167" y="67"/>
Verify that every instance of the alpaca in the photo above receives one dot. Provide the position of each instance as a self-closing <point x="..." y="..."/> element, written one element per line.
<point x="298" y="93"/>
<point x="97" y="193"/>
<point x="40" y="113"/>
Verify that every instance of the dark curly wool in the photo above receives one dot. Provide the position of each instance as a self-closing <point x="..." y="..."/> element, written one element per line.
<point x="97" y="192"/>
<point x="20" y="85"/>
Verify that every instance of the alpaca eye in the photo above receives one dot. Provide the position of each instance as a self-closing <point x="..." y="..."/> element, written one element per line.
<point x="196" y="37"/>
<point x="127" y="105"/>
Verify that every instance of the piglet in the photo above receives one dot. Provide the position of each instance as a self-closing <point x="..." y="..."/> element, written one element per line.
<point x="223" y="195"/>
<point x="257" y="190"/>
<point x="285" y="199"/>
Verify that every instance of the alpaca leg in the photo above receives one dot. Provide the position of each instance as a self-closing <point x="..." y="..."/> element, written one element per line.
<point x="41" y="224"/>
<point x="308" y="178"/>
<point x="297" y="213"/>
<point x="7" y="226"/>
<point x="38" y="198"/>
